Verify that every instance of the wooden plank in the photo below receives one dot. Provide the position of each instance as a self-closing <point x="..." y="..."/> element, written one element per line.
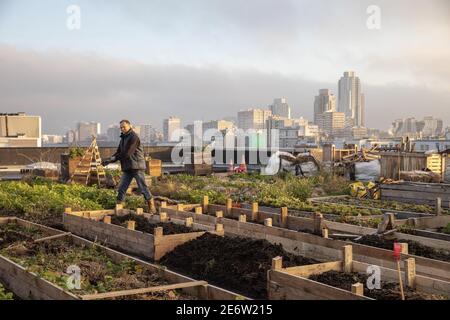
<point x="432" y="234"/>
<point x="300" y="286"/>
<point x="65" y="234"/>
<point x="408" y="185"/>
<point x="421" y="195"/>
<point x="318" y="268"/>
<point x="27" y="285"/>
<point x="431" y="222"/>
<point x="434" y="243"/>
<point x="131" y="292"/>
<point x="422" y="283"/>
<point x="358" y="289"/>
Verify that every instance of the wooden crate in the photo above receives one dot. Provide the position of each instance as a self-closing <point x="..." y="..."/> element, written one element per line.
<point x="27" y="285"/>
<point x="292" y="283"/>
<point x="68" y="166"/>
<point x="90" y="225"/>
<point x="198" y="169"/>
<point x="154" y="167"/>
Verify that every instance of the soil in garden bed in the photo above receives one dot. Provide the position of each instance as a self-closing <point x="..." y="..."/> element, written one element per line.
<point x="13" y="232"/>
<point x="388" y="290"/>
<point x="372" y="204"/>
<point x="145" y="225"/>
<point x="414" y="247"/>
<point x="237" y="264"/>
<point x="99" y="274"/>
<point x="160" y="295"/>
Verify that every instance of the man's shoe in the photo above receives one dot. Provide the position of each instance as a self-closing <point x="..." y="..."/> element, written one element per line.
<point x="151" y="206"/>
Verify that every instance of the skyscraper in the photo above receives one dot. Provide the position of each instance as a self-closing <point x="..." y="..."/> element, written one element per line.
<point x="113" y="133"/>
<point x="86" y="130"/>
<point x="325" y="101"/>
<point x="170" y="125"/>
<point x="350" y="99"/>
<point x="281" y="108"/>
<point x="253" y="118"/>
<point x="147" y="133"/>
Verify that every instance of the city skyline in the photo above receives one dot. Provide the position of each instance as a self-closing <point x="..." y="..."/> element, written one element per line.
<point x="146" y="61"/>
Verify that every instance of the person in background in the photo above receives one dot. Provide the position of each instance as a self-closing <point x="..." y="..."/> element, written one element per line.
<point x="132" y="160"/>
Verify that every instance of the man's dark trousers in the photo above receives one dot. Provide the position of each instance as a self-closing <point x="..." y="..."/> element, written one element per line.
<point x="125" y="180"/>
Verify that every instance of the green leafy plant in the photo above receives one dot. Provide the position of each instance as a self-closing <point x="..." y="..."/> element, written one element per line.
<point x="76" y="152"/>
<point x="4" y="295"/>
<point x="446" y="229"/>
<point x="39" y="200"/>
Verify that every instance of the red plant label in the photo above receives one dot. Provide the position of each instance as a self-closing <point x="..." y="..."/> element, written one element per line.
<point x="397" y="250"/>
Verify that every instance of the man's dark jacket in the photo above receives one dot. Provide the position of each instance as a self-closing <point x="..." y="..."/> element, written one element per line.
<point x="130" y="152"/>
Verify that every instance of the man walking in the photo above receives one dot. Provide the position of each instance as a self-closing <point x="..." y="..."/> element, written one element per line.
<point x="131" y="156"/>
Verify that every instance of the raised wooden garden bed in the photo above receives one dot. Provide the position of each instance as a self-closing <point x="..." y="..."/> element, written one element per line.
<point x="402" y="210"/>
<point x="430" y="227"/>
<point x="135" y="232"/>
<point x="312" y="282"/>
<point x="417" y="192"/>
<point x="34" y="267"/>
<point x="310" y="225"/>
<point x="321" y="248"/>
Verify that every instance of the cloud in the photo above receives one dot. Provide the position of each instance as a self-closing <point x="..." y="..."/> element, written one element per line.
<point x="65" y="87"/>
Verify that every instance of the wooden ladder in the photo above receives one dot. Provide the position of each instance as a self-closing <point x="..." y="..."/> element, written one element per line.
<point x="90" y="167"/>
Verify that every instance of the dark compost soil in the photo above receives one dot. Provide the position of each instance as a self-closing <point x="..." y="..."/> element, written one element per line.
<point x="13" y="232"/>
<point x="237" y="264"/>
<point x="145" y="225"/>
<point x="388" y="290"/>
<point x="414" y="247"/>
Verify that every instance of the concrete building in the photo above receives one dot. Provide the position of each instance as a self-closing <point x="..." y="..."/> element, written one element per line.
<point x="357" y="133"/>
<point x="413" y="128"/>
<point x="292" y="136"/>
<point x="289" y="131"/>
<point x="253" y="118"/>
<point x="350" y="98"/>
<point x="85" y="130"/>
<point x="280" y="108"/>
<point x="431" y="127"/>
<point x="170" y="126"/>
<point x="20" y="130"/>
<point x="220" y="125"/>
<point x="113" y="133"/>
<point x="332" y="123"/>
<point x="309" y="130"/>
<point x="50" y="139"/>
<point x="148" y="134"/>
<point x="325" y="101"/>
<point x="277" y="122"/>
<point x="424" y="145"/>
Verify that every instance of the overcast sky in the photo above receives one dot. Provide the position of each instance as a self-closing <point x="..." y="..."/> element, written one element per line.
<point x="207" y="59"/>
